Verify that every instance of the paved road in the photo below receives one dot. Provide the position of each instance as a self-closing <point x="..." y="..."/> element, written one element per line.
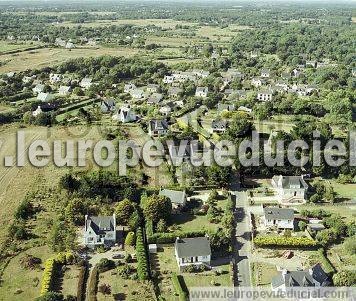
<point x="243" y="234"/>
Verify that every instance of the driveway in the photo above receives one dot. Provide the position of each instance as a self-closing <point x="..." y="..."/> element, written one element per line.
<point x="94" y="258"/>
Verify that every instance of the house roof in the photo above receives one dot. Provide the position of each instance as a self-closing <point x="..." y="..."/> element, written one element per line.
<point x="176" y="196"/>
<point x="219" y="124"/>
<point x="188" y="247"/>
<point x="291" y="181"/>
<point x="278" y="213"/>
<point x="100" y="223"/>
<point x="202" y="89"/>
<point x="158" y="124"/>
<point x="300" y="278"/>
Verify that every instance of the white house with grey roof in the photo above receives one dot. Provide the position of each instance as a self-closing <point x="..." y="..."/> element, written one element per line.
<point x="125" y="115"/>
<point x="157" y="127"/>
<point x="192" y="251"/>
<point x="38" y="88"/>
<point x="178" y="198"/>
<point x="312" y="277"/>
<point x="202" y="92"/>
<point x="265" y="95"/>
<point x="280" y="218"/>
<point x="45" y="97"/>
<point x="99" y="230"/>
<point x="64" y="90"/>
<point x="290" y="189"/>
<point x="86" y="83"/>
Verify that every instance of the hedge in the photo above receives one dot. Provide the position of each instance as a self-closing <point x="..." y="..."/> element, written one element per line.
<point x="141" y="254"/>
<point x="50" y="266"/>
<point x="166" y="238"/>
<point x="93" y="284"/>
<point x="83" y="273"/>
<point x="178" y="287"/>
<point x="281" y="241"/>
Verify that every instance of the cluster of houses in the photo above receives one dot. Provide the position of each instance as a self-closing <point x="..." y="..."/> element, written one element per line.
<point x="63" y="43"/>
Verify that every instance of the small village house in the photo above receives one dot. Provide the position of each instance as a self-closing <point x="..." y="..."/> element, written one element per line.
<point x="192" y="251"/>
<point x="280" y="218"/>
<point x="99" y="230"/>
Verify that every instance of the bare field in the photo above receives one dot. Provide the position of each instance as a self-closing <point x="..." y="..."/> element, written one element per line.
<point x="53" y="56"/>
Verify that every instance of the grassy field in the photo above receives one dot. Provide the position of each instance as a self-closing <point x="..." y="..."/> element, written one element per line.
<point x="123" y="289"/>
<point x="70" y="281"/>
<point x="164" y="23"/>
<point x="6" y="46"/>
<point x="20" y="284"/>
<point x="53" y="56"/>
<point x="262" y="273"/>
<point x="15" y="182"/>
<point x="347" y="212"/>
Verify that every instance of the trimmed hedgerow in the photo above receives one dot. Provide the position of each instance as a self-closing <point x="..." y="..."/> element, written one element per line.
<point x="93" y="284"/>
<point x="141" y="254"/>
<point x="282" y="241"/>
<point x="83" y="273"/>
<point x="166" y="238"/>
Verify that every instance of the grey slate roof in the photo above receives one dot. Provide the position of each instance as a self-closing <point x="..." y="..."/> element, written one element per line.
<point x="176" y="196"/>
<point x="301" y="278"/>
<point x="189" y="247"/>
<point x="272" y="213"/>
<point x="291" y="181"/>
<point x="100" y="223"/>
<point x="157" y="124"/>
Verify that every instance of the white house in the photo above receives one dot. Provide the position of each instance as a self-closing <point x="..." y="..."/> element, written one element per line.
<point x="192" y="251"/>
<point x="45" y="97"/>
<point x="129" y="87"/>
<point x="155" y="98"/>
<point x="125" y="115"/>
<point x="168" y="79"/>
<point x="44" y="108"/>
<point x="64" y="90"/>
<point x="157" y="127"/>
<point x="100" y="230"/>
<point x="137" y="93"/>
<point x="86" y="83"/>
<point x="38" y="88"/>
<point x="218" y="126"/>
<point x="108" y="105"/>
<point x="265" y="73"/>
<point x="174" y="91"/>
<point x="290" y="189"/>
<point x="202" y="92"/>
<point x="265" y="95"/>
<point x="165" y="110"/>
<point x="257" y="82"/>
<point x="281" y="218"/>
<point x="312" y="277"/>
<point x="70" y="45"/>
<point x="152" y="88"/>
<point x="55" y="78"/>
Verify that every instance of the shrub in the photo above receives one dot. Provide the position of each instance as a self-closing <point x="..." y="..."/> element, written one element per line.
<point x="280" y="241"/>
<point x="47" y="276"/>
<point x="30" y="262"/>
<point x="345" y="278"/>
<point x="130" y="239"/>
<point x="179" y="287"/>
<point x="125" y="271"/>
<point x="93" y="284"/>
<point x="302" y="225"/>
<point x="83" y="273"/>
<point x="105" y="265"/>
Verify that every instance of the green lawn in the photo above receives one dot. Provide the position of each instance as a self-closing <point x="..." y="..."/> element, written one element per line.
<point x="347" y="212"/>
<point x="123" y="289"/>
<point x="262" y="273"/>
<point x="20" y="284"/>
<point x="345" y="190"/>
<point x="70" y="280"/>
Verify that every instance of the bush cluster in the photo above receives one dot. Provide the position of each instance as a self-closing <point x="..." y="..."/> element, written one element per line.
<point x="166" y="238"/>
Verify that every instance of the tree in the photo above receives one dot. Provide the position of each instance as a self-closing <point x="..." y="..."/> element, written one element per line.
<point x="350" y="245"/>
<point x="105" y="289"/>
<point x="78" y="91"/>
<point x="345" y="278"/>
<point x="130" y="239"/>
<point x="330" y="194"/>
<point x="157" y="207"/>
<point x="326" y="237"/>
<point x="123" y="211"/>
<point x="161" y="226"/>
<point x="302" y="225"/>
